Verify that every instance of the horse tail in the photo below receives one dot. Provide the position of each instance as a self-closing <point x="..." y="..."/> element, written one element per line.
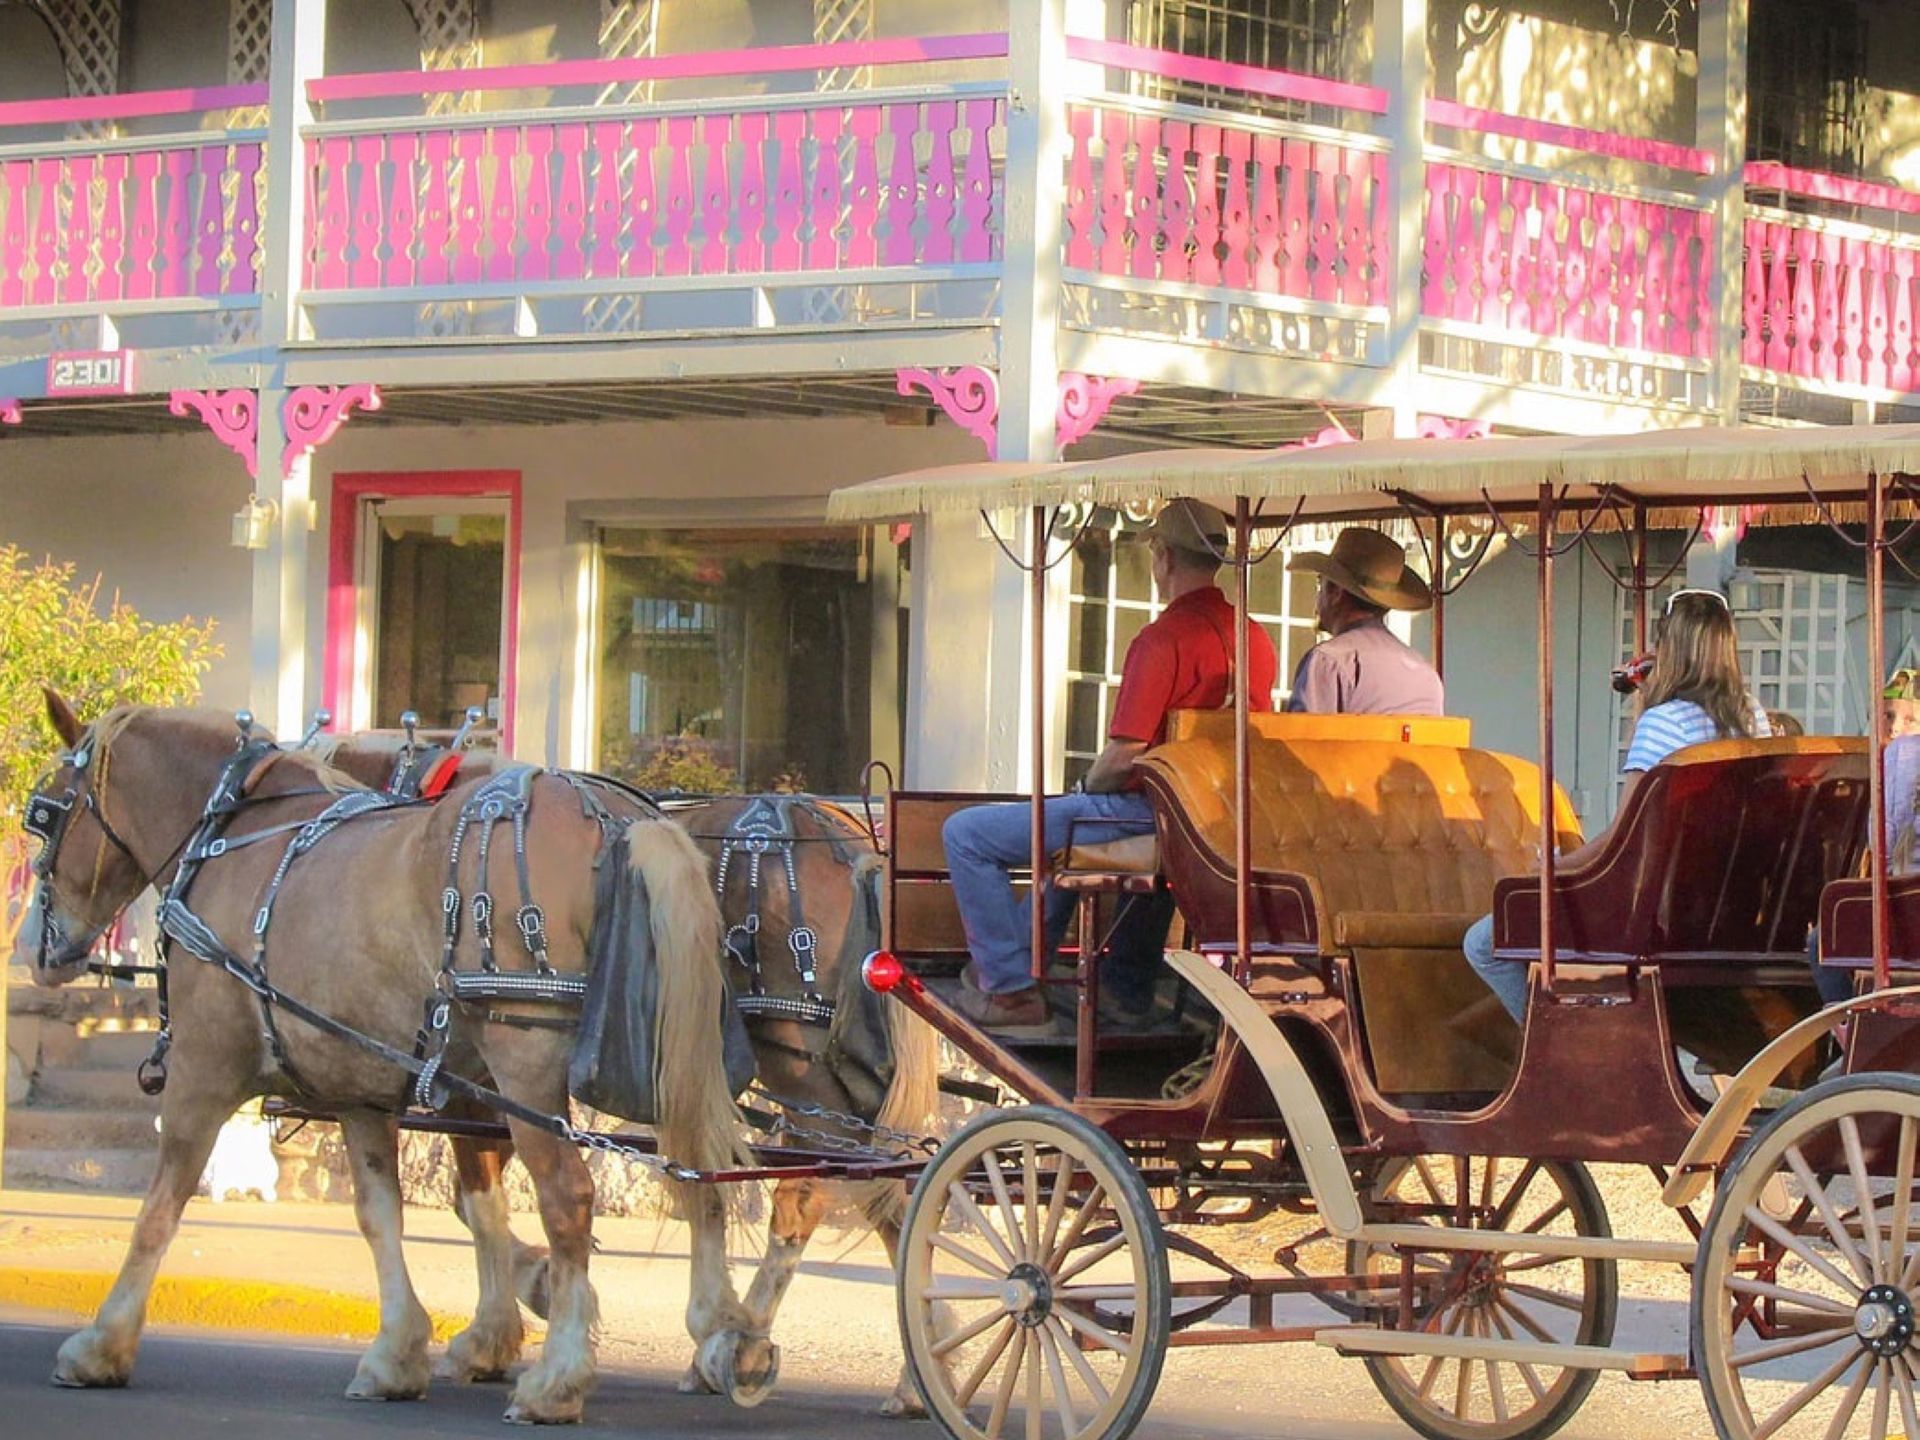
<point x="697" y="1121"/>
<point x="912" y="1101"/>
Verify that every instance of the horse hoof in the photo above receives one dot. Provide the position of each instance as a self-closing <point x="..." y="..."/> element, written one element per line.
<point x="903" y="1407"/>
<point x="471" y="1360"/>
<point x="524" y="1414"/>
<point x="83" y="1365"/>
<point x="741" y="1367"/>
<point x="376" y="1382"/>
<point x="693" y="1382"/>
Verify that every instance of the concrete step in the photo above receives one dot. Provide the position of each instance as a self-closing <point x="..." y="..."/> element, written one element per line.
<point x="80" y="1131"/>
<point x="83" y="1089"/>
<point x="114" y="1172"/>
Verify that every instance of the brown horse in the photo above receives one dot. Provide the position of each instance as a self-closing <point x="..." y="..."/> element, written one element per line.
<point x="354" y="939"/>
<point x="800" y="1056"/>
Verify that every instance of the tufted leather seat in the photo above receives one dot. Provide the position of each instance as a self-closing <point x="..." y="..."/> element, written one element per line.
<point x="1384" y="850"/>
<point x="1365" y="828"/>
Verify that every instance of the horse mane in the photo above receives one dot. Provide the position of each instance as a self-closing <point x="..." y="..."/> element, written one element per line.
<point x="112" y="725"/>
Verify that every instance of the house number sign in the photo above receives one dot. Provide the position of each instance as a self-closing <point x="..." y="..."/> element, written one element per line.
<point x="90" y="372"/>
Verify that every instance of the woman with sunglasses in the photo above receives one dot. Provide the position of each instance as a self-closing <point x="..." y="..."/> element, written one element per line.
<point x="1693" y="694"/>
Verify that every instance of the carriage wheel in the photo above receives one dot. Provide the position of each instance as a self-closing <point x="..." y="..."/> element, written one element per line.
<point x="1493" y="1297"/>
<point x="1034" y="1296"/>
<point x="1809" y="1271"/>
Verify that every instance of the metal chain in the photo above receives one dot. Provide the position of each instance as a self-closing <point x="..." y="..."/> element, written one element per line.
<point x="661" y="1166"/>
<point x="907" y="1142"/>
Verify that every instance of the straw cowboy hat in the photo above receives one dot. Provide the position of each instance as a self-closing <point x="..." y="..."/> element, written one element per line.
<point x="1192" y="526"/>
<point x="1370" y="565"/>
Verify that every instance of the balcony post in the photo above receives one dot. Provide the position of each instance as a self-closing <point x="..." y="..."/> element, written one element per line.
<point x="279" y="664"/>
<point x="1720" y="129"/>
<point x="1029" y="348"/>
<point x="966" y="702"/>
<point x="1402" y="68"/>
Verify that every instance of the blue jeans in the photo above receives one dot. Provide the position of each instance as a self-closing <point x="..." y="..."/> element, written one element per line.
<point x="984" y="842"/>
<point x="1506" y="978"/>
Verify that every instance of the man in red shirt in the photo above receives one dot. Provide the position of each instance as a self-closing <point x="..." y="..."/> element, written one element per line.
<point x="1181" y="661"/>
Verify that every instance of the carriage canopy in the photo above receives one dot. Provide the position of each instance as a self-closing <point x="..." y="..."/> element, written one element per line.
<point x="1665" y="469"/>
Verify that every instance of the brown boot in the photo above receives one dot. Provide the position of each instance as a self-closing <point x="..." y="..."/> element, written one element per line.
<point x="1016" y="1014"/>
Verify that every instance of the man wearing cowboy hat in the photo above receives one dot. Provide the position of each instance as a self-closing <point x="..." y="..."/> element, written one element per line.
<point x="1363" y="668"/>
<point x="1183" y="660"/>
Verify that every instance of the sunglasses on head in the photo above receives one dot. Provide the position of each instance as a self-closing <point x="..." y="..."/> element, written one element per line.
<point x="1713" y="595"/>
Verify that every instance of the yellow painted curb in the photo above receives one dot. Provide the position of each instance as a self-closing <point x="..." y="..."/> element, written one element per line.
<point x="213" y="1304"/>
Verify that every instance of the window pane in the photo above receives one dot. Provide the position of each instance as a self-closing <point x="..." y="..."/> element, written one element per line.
<point x="1132" y="569"/>
<point x="1266" y="586"/>
<point x="737" y="659"/>
<point x="1083" y="717"/>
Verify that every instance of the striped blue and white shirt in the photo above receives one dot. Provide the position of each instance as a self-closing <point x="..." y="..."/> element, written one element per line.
<point x="1676" y="725"/>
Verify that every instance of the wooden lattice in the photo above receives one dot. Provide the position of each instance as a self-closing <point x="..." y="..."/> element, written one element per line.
<point x="449" y="40"/>
<point x="87" y="33"/>
<point x="249" y="54"/>
<point x="838" y="22"/>
<point x="629" y="29"/>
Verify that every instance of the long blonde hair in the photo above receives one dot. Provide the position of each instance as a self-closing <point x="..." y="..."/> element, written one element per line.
<point x="1697" y="659"/>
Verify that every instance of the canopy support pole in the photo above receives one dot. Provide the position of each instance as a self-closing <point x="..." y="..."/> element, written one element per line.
<point x="1639" y="579"/>
<point x="1438" y="577"/>
<point x="1037" y="738"/>
<point x="1549" y="831"/>
<point x="1876" y="726"/>
<point x="1242" y="773"/>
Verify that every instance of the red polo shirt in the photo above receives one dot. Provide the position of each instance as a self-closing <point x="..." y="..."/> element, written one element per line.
<point x="1182" y="662"/>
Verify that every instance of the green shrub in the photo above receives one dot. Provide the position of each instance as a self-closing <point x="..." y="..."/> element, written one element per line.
<point x="56" y="632"/>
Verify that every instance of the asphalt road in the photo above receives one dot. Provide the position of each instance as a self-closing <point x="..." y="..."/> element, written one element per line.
<point x="196" y="1386"/>
<point x="200" y="1388"/>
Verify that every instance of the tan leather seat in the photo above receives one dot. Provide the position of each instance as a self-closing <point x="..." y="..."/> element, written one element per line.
<point x="1384" y="850"/>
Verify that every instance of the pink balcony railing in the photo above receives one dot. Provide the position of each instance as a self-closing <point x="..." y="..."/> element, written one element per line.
<point x="1511" y="248"/>
<point x="98" y="223"/>
<point x="1176" y="193"/>
<point x="774" y="185"/>
<point x="1829" y="297"/>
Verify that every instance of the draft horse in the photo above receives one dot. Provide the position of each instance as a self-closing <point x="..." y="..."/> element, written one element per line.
<point x="319" y="909"/>
<point x="797" y="881"/>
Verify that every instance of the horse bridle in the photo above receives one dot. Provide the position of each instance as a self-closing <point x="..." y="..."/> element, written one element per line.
<point x="47" y="819"/>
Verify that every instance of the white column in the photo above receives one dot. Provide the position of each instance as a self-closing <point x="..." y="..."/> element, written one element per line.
<point x="281" y="572"/>
<point x="967" y="696"/>
<point x="1029" y="354"/>
<point x="1401" y="68"/>
<point x="1720" y="129"/>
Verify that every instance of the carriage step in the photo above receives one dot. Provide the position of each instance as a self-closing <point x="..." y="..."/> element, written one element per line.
<point x="1361" y="1340"/>
<point x="1573" y="1247"/>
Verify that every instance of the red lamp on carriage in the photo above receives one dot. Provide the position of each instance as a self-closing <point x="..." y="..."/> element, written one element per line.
<point x="881" y="972"/>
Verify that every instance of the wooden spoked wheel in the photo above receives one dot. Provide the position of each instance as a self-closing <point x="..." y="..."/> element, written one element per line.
<point x="1809" y="1271"/>
<point x="1033" y="1287"/>
<point x="1478" y="1295"/>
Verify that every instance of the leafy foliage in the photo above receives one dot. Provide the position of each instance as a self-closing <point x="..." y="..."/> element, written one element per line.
<point x="679" y="762"/>
<point x="54" y="631"/>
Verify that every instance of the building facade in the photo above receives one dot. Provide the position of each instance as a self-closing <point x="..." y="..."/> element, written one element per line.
<point x="503" y="355"/>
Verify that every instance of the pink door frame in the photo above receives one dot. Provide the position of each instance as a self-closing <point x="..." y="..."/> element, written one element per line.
<point x="343" y="571"/>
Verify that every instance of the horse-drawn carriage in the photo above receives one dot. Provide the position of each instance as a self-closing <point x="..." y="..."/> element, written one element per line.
<point x="1351" y="1069"/>
<point x="1328" y="1056"/>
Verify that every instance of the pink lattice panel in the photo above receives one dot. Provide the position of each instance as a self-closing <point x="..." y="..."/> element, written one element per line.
<point x="1830" y="307"/>
<point x="1157" y="198"/>
<point x="1565" y="262"/>
<point x="735" y="192"/>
